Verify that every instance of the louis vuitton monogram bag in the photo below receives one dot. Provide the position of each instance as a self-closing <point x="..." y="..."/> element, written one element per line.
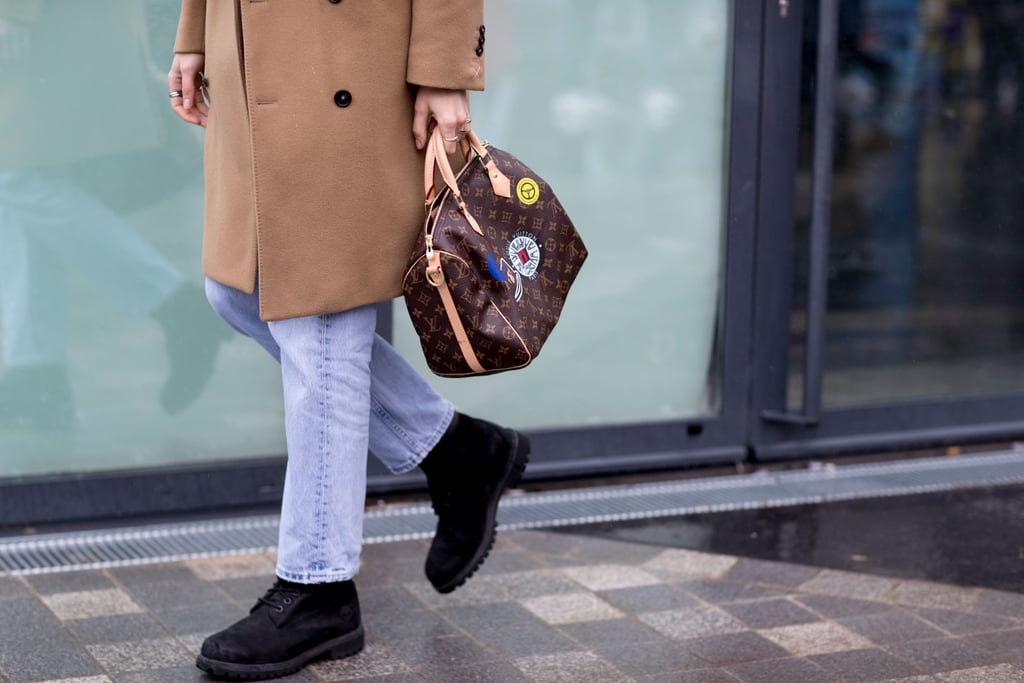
<point x="488" y="279"/>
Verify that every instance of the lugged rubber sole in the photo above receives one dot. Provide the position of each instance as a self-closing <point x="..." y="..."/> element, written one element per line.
<point x="336" y="648"/>
<point x="513" y="473"/>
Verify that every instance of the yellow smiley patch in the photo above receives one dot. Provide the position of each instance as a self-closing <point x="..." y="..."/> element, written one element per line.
<point x="528" y="191"/>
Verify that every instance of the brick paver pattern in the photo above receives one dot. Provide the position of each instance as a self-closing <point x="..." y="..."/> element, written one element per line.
<point x="545" y="607"/>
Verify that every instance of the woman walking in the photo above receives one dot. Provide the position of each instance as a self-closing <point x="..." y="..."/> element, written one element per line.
<point x="317" y="112"/>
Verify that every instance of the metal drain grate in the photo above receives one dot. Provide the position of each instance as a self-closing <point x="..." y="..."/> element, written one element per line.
<point x="172" y="542"/>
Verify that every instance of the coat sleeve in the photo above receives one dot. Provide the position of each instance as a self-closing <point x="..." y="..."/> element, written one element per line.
<point x="446" y="45"/>
<point x="192" y="27"/>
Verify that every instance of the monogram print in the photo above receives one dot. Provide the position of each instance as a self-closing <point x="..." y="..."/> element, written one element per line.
<point x="508" y="309"/>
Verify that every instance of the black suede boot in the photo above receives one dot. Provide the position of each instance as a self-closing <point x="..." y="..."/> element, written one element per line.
<point x="468" y="470"/>
<point x="289" y="627"/>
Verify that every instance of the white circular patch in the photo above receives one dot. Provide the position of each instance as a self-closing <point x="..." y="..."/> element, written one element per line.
<point x="524" y="254"/>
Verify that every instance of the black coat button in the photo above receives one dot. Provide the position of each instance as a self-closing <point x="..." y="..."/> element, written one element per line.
<point x="481" y="41"/>
<point x="343" y="98"/>
<point x="483" y="30"/>
<point x="334" y="2"/>
<point x="479" y="51"/>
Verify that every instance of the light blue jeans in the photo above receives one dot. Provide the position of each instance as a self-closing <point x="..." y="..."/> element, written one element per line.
<point x="345" y="390"/>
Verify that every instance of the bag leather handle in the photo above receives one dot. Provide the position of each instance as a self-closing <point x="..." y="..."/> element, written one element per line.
<point x="437" y="158"/>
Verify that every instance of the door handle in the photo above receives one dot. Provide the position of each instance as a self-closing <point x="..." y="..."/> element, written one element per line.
<point x="821" y="204"/>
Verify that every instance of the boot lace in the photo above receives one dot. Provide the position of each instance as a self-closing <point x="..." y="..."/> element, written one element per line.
<point x="278" y="597"/>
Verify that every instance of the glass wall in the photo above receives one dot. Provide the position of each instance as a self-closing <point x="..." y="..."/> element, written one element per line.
<point x="109" y="355"/>
<point x="926" y="261"/>
<point x="622" y="107"/>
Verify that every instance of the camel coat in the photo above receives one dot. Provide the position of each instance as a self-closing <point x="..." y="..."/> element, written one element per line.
<point x="313" y="180"/>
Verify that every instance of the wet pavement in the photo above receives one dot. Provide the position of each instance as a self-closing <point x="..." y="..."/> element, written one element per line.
<point x="580" y="605"/>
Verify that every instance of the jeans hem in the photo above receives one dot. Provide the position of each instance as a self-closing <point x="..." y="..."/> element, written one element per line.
<point x="315" y="577"/>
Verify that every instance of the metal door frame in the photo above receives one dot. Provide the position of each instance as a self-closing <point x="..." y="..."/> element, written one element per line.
<point x="774" y="432"/>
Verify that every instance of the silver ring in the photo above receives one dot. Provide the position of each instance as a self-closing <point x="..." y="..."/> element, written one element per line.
<point x="454" y="139"/>
<point x="176" y="93"/>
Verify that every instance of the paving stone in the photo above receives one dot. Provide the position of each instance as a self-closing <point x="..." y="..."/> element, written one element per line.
<point x="138" y="655"/>
<point x="771" y="573"/>
<point x="492" y="671"/>
<point x="12" y="588"/>
<point x="660" y="656"/>
<point x="594" y="634"/>
<point x="1001" y="603"/>
<point x="408" y="677"/>
<point x="769" y="613"/>
<point x="531" y="584"/>
<point x="849" y="584"/>
<point x="647" y="599"/>
<point x="892" y="626"/>
<point x="678" y="564"/>
<point x="69" y="582"/>
<point x="934" y="595"/>
<point x="1005" y="645"/>
<point x="507" y="562"/>
<point x="733" y="648"/>
<point x="181" y="674"/>
<point x="543" y="542"/>
<point x="963" y="623"/>
<point x="375" y="660"/>
<point x="568" y="667"/>
<point x="86" y="604"/>
<point x="173" y="594"/>
<point x="594" y="550"/>
<point x="479" y="591"/>
<point x="510" y="630"/>
<point x="603" y="577"/>
<point x="27" y="623"/>
<point x="115" y="629"/>
<point x="88" y="679"/>
<point x="864" y="665"/>
<point x="833" y="607"/>
<point x="912" y="679"/>
<point x="233" y="567"/>
<point x="804" y="640"/>
<point x="246" y="590"/>
<point x="523" y="642"/>
<point x="933" y="656"/>
<point x="151" y="573"/>
<point x="475" y="618"/>
<point x="434" y="657"/>
<point x="567" y="608"/>
<point x="774" y="670"/>
<point x="1000" y="673"/>
<point x="205" y="618"/>
<point x="696" y="676"/>
<point x="193" y="642"/>
<point x="376" y="599"/>
<point x="391" y="626"/>
<point x="720" y="592"/>
<point x="692" y="622"/>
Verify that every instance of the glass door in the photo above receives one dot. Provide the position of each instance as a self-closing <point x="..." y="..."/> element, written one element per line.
<point x="891" y="258"/>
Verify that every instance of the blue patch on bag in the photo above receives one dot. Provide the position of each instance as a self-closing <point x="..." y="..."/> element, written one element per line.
<point x="495" y="269"/>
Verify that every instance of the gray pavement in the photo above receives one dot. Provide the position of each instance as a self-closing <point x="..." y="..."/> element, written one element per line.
<point x="545" y="607"/>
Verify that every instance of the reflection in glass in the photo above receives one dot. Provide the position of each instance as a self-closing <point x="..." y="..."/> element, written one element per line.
<point x="926" y="259"/>
<point x="622" y="108"/>
<point x="107" y="343"/>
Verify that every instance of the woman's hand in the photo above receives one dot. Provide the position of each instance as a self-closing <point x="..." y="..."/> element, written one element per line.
<point x="449" y="108"/>
<point x="184" y="77"/>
